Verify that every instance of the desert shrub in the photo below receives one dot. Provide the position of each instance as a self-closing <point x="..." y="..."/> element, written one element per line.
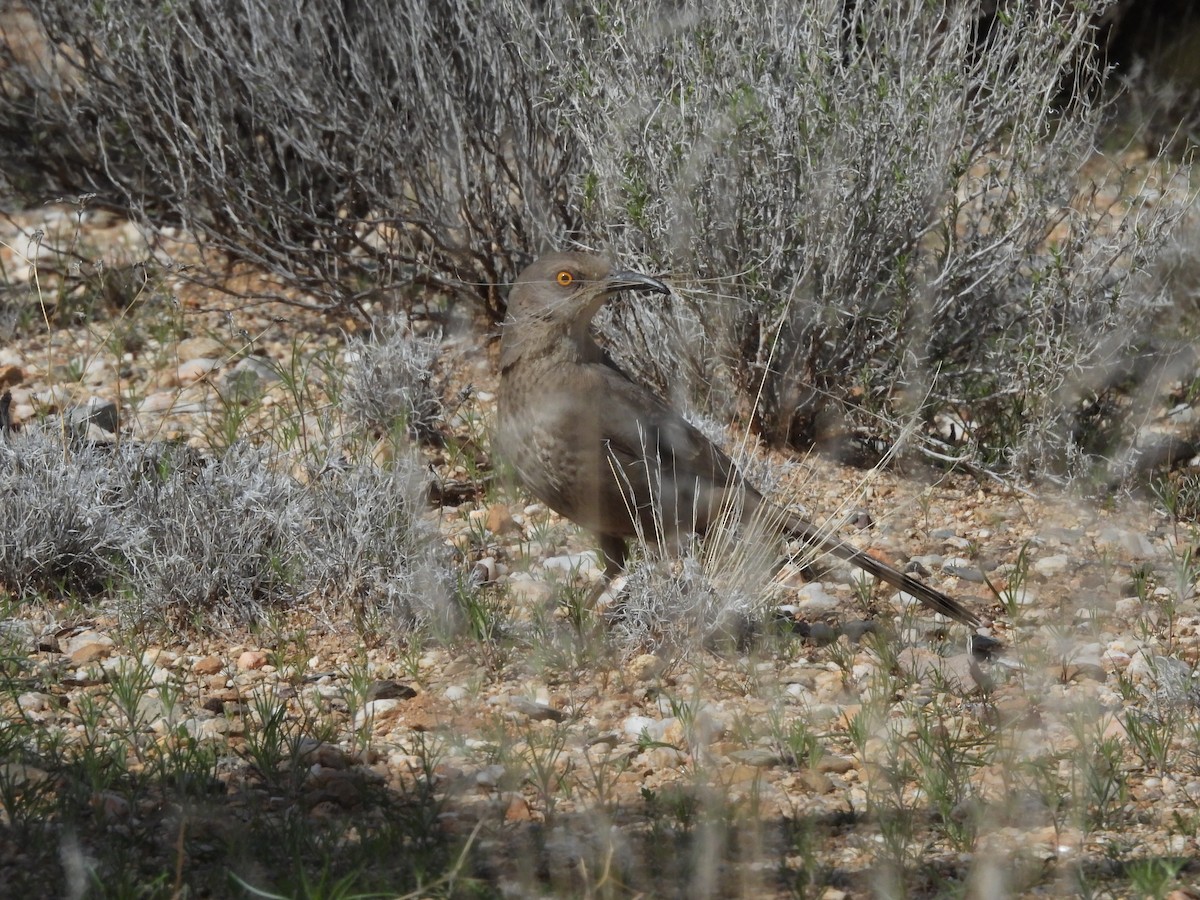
<point x="390" y="381"/>
<point x="57" y="534"/>
<point x="371" y="549"/>
<point x="218" y="540"/>
<point x="341" y="148"/>
<point x="699" y="602"/>
<point x="181" y="538"/>
<point x="872" y="211"/>
<point x="876" y="212"/>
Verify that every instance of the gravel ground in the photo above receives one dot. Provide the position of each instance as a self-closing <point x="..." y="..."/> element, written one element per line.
<point x="576" y="763"/>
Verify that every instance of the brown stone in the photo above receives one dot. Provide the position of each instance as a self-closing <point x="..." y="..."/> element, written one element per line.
<point x="500" y="521"/>
<point x="517" y="810"/>
<point x="10" y="376"/>
<point x="250" y="660"/>
<point x="208" y="665"/>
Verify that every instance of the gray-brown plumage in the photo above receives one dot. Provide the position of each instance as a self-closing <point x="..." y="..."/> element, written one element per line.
<point x="605" y="452"/>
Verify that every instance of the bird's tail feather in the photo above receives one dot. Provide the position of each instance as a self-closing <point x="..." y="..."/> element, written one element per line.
<point x="808" y="533"/>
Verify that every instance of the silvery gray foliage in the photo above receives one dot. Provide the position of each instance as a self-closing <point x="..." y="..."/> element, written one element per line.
<point x="181" y="537"/>
<point x="343" y="148"/>
<point x="678" y="607"/>
<point x="370" y="545"/>
<point x="873" y="211"/>
<point x="220" y="539"/>
<point x="58" y="528"/>
<point x="390" y="380"/>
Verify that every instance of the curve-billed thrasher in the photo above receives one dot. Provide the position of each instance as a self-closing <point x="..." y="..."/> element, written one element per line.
<point x="605" y="452"/>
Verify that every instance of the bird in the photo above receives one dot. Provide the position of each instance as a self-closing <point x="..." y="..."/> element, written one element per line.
<point x="607" y="453"/>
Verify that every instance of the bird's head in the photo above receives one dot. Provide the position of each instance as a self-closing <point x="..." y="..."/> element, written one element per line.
<point x="568" y="289"/>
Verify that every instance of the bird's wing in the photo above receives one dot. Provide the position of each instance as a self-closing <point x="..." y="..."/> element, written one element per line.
<point x="655" y="429"/>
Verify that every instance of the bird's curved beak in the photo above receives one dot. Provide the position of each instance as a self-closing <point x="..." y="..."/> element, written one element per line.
<point x="633" y="281"/>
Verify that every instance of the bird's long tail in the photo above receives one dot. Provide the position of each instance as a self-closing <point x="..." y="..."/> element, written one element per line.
<point x="805" y="531"/>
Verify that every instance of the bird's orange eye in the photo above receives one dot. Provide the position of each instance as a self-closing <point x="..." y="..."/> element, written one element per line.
<point x="564" y="278"/>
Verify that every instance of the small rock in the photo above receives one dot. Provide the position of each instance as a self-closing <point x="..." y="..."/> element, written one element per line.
<point x="19" y="774"/>
<point x="671" y="731"/>
<point x="344" y="789"/>
<point x="608" y="740"/>
<point x="645" y="667"/>
<point x="55" y="397"/>
<point x="1023" y="596"/>
<point x="490" y="776"/>
<point x="250" y="373"/>
<point x="156" y="656"/>
<point x="527" y="592"/>
<point x="839" y="765"/>
<point x="35" y="701"/>
<point x="390" y="690"/>
<point x="195" y="369"/>
<point x="207" y="729"/>
<point x="323" y="754"/>
<point x="1061" y="535"/>
<point x="858" y="801"/>
<point x="814" y="600"/>
<point x="585" y="565"/>
<point x="484" y="571"/>
<point x="830" y="687"/>
<point x="88" y="646"/>
<point x="1128" y="608"/>
<point x="961" y="567"/>
<point x="1015" y="710"/>
<point x="817" y="782"/>
<point x="1051" y="566"/>
<point x="499" y="521"/>
<point x="517" y="810"/>
<point x="638" y="726"/>
<point x="94" y="434"/>
<point x="110" y="805"/>
<point x="662" y="757"/>
<point x="208" y="665"/>
<point x="1083" y="669"/>
<point x="198" y="347"/>
<point x="251" y="660"/>
<point x="377" y="711"/>
<point x="1136" y="545"/>
<point x="539" y="712"/>
<point x="95" y="412"/>
<point x="151" y="707"/>
<point x="10" y="376"/>
<point x="1116" y="658"/>
<point x="759" y="758"/>
<point x="158" y="401"/>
